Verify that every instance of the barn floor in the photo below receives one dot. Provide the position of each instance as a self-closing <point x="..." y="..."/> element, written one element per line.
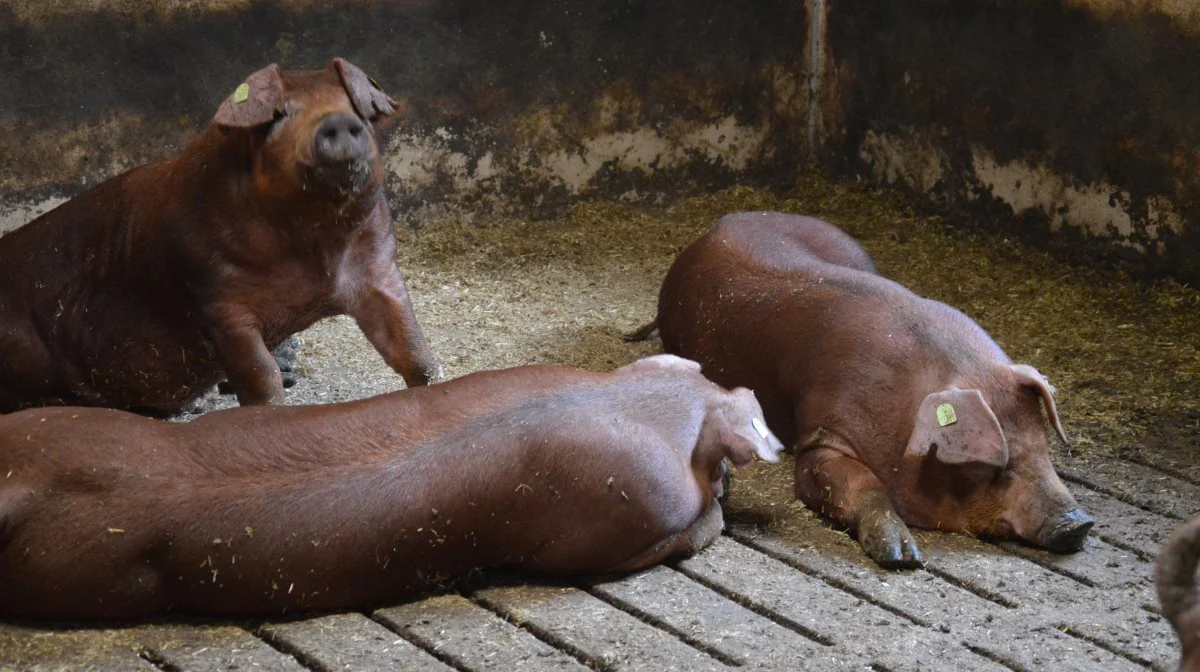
<point x="781" y="589"/>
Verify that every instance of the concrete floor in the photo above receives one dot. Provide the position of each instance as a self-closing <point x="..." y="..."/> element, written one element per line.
<point x="780" y="590"/>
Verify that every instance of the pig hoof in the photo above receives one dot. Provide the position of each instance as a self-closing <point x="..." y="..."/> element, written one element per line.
<point x="285" y="354"/>
<point x="889" y="543"/>
<point x="428" y="374"/>
<point x="285" y="358"/>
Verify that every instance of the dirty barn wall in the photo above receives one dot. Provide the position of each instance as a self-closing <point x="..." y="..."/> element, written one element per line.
<point x="511" y="103"/>
<point x="1075" y="121"/>
<point x="1072" y="121"/>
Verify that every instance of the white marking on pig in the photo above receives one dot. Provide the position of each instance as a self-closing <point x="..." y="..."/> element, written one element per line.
<point x="760" y="427"/>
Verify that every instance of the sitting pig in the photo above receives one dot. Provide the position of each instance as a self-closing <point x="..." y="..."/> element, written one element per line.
<point x="105" y="514"/>
<point x="901" y="409"/>
<point x="144" y="291"/>
<point x="1176" y="582"/>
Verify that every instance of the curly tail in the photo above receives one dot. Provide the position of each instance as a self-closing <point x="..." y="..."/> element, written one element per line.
<point x="643" y="332"/>
<point x="1176" y="582"/>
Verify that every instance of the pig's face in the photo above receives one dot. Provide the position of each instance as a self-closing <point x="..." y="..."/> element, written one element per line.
<point x="313" y="131"/>
<point x="734" y="430"/>
<point x="981" y="464"/>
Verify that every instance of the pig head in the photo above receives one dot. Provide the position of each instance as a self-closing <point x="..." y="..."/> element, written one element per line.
<point x="272" y="509"/>
<point x="1176" y="582"/>
<point x="149" y="288"/>
<point x="902" y="411"/>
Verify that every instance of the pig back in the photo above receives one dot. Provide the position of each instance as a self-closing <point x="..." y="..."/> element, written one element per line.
<point x="787" y="242"/>
<point x="751" y="302"/>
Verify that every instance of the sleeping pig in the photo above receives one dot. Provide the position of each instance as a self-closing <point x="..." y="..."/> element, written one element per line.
<point x="271" y="509"/>
<point x="1176" y="582"/>
<point x="902" y="411"/>
<point x="149" y="288"/>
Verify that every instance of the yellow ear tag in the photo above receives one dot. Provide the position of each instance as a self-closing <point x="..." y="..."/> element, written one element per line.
<point x="946" y="416"/>
<point x="241" y="93"/>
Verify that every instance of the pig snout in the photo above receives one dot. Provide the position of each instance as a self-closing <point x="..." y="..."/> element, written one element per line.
<point x="341" y="139"/>
<point x="1067" y="532"/>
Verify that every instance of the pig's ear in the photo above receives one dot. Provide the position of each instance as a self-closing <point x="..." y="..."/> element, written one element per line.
<point x="958" y="427"/>
<point x="255" y="101"/>
<point x="369" y="100"/>
<point x="743" y="432"/>
<point x="1031" y="377"/>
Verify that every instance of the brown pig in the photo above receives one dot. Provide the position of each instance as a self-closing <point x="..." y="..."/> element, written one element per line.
<point x="147" y="289"/>
<point x="270" y="509"/>
<point x="1176" y="582"/>
<point x="900" y="409"/>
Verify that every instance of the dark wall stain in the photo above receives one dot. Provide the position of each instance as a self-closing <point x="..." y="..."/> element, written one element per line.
<point x="75" y="83"/>
<point x="1095" y="99"/>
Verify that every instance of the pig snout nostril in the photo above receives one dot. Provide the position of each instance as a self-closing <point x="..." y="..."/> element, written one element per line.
<point x="341" y="139"/>
<point x="1070" y="532"/>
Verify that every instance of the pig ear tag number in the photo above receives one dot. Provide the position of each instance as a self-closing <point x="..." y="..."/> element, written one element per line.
<point x="242" y="93"/>
<point x="946" y="415"/>
<point x="759" y="427"/>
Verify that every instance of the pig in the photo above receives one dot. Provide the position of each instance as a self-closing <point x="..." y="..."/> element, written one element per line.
<point x="261" y="510"/>
<point x="901" y="410"/>
<point x="149" y="288"/>
<point x="1176" y="582"/>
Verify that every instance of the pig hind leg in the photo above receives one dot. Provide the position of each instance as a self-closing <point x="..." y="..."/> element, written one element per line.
<point x="685" y="544"/>
<point x="845" y="490"/>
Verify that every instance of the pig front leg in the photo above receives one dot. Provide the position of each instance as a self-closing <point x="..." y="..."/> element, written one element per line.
<point x="844" y="489"/>
<point x="385" y="315"/>
<point x="685" y="544"/>
<point x="249" y="365"/>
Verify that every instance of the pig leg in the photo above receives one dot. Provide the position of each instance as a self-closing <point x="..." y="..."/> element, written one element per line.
<point x="684" y="544"/>
<point x="385" y="315"/>
<point x="248" y="363"/>
<point x="845" y="490"/>
<point x="285" y="358"/>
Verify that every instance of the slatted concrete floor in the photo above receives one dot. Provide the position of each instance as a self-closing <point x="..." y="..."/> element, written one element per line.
<point x="753" y="600"/>
<point x="766" y="596"/>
